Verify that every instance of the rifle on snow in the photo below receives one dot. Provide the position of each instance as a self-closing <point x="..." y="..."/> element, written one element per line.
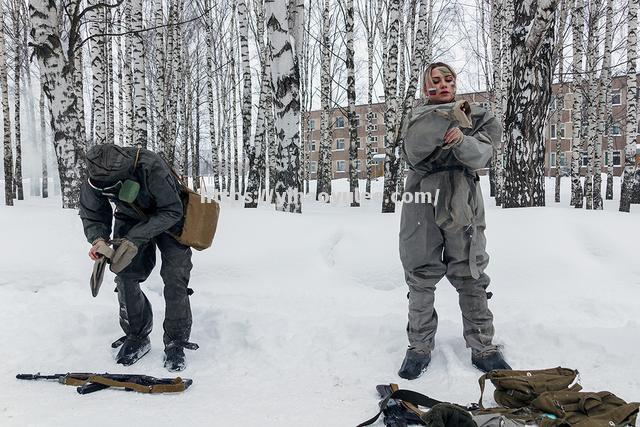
<point x="90" y="382"/>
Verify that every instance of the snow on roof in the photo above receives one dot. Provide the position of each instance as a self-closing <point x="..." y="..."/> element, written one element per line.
<point x="379" y="156"/>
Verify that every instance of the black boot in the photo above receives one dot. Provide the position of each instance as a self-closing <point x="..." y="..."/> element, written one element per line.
<point x="414" y="364"/>
<point x="133" y="348"/>
<point x="489" y="361"/>
<point x="174" y="359"/>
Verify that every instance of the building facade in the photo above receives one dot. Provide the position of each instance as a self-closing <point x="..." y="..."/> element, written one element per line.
<point x="552" y="132"/>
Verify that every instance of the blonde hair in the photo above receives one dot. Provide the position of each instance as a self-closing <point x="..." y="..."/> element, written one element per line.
<point x="444" y="69"/>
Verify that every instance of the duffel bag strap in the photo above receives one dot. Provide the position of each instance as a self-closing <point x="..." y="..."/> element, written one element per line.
<point x="407" y="396"/>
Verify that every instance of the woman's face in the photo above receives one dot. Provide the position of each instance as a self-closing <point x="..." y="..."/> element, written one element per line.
<point x="442" y="87"/>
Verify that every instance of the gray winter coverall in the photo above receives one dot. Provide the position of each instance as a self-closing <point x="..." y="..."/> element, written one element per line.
<point x="158" y="211"/>
<point x="446" y="237"/>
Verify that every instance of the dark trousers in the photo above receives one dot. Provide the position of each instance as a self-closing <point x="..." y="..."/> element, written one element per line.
<point x="136" y="317"/>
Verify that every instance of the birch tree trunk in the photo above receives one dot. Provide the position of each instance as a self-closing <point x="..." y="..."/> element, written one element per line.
<point x="8" y="149"/>
<point x="630" y="149"/>
<point x="285" y="78"/>
<point x="97" y="49"/>
<point x="351" y="96"/>
<point x="210" y="99"/>
<point x="607" y="117"/>
<point x="138" y="77"/>
<point x="243" y="26"/>
<point x="43" y="142"/>
<point x="391" y="109"/>
<point x="324" y="154"/>
<point x="234" y="100"/>
<point x="592" y="97"/>
<point x="126" y="91"/>
<point x="529" y="96"/>
<point x="59" y="76"/>
<point x="497" y="18"/>
<point x="161" y="65"/>
<point x="257" y="149"/>
<point x="576" y="112"/>
<point x="17" y="17"/>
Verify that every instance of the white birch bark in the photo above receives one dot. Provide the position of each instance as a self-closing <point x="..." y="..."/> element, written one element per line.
<point x="285" y="78"/>
<point x="243" y="27"/>
<point x="59" y="74"/>
<point x="632" y="118"/>
<point x="17" y="78"/>
<point x="529" y="95"/>
<point x="138" y="77"/>
<point x="324" y="154"/>
<point x="576" y="112"/>
<point x="7" y="146"/>
<point x="606" y="81"/>
<point x="98" y="93"/>
<point x="351" y="96"/>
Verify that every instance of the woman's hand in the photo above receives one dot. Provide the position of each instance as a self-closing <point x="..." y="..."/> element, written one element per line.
<point x="452" y="137"/>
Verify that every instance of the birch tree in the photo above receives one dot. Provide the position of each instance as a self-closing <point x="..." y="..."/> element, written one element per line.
<point x="529" y="96"/>
<point x="138" y="76"/>
<point x="58" y="70"/>
<point x="605" y="79"/>
<point x="17" y="78"/>
<point x="630" y="149"/>
<point x="8" y="149"/>
<point x="577" y="23"/>
<point x="324" y="153"/>
<point x="351" y="95"/>
<point x="243" y="27"/>
<point x="285" y="77"/>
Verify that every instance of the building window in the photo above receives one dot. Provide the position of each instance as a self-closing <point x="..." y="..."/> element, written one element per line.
<point x="615" y="97"/>
<point x="312" y="145"/>
<point x="357" y="119"/>
<point x="372" y="128"/>
<point x="552" y="160"/>
<point x="373" y="140"/>
<point x="340" y="166"/>
<point x="313" y="167"/>
<point x="617" y="160"/>
<point x="358" y="142"/>
<point x="561" y="132"/>
<point x="374" y="117"/>
<point x="340" y="144"/>
<point x="552" y="131"/>
<point x="358" y="165"/>
<point x="585" y="159"/>
<point x="615" y="129"/>
<point x="339" y="122"/>
<point x="563" y="159"/>
<point x="312" y="124"/>
<point x="374" y="150"/>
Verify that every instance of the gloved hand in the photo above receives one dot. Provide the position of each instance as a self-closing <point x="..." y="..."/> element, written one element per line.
<point x="453" y="137"/>
<point x="462" y="114"/>
<point x="99" y="249"/>
<point x="124" y="254"/>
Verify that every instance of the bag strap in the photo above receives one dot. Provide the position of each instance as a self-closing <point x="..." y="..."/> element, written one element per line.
<point x="176" y="385"/>
<point x="408" y="396"/>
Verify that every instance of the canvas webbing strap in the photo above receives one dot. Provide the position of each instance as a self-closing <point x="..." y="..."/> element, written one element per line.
<point x="407" y="396"/>
<point x="176" y="385"/>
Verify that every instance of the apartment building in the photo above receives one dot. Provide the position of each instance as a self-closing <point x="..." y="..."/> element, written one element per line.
<point x="553" y="131"/>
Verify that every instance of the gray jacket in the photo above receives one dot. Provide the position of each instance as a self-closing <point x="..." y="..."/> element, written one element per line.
<point x="449" y="172"/>
<point x="158" y="206"/>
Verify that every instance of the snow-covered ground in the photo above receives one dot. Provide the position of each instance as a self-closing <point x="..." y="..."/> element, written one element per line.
<point x="298" y="317"/>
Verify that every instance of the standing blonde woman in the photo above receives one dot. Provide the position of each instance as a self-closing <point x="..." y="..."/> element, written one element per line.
<point x="446" y="142"/>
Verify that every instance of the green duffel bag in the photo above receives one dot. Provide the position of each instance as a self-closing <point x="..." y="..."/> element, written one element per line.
<point x="517" y="389"/>
<point x="587" y="409"/>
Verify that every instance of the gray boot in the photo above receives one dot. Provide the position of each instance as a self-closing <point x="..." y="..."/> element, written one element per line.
<point x="414" y="364"/>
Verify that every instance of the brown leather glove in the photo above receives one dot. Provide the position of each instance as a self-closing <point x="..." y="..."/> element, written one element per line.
<point x="124" y="254"/>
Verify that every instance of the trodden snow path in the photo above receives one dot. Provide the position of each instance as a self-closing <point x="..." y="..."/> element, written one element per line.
<point x="298" y="317"/>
